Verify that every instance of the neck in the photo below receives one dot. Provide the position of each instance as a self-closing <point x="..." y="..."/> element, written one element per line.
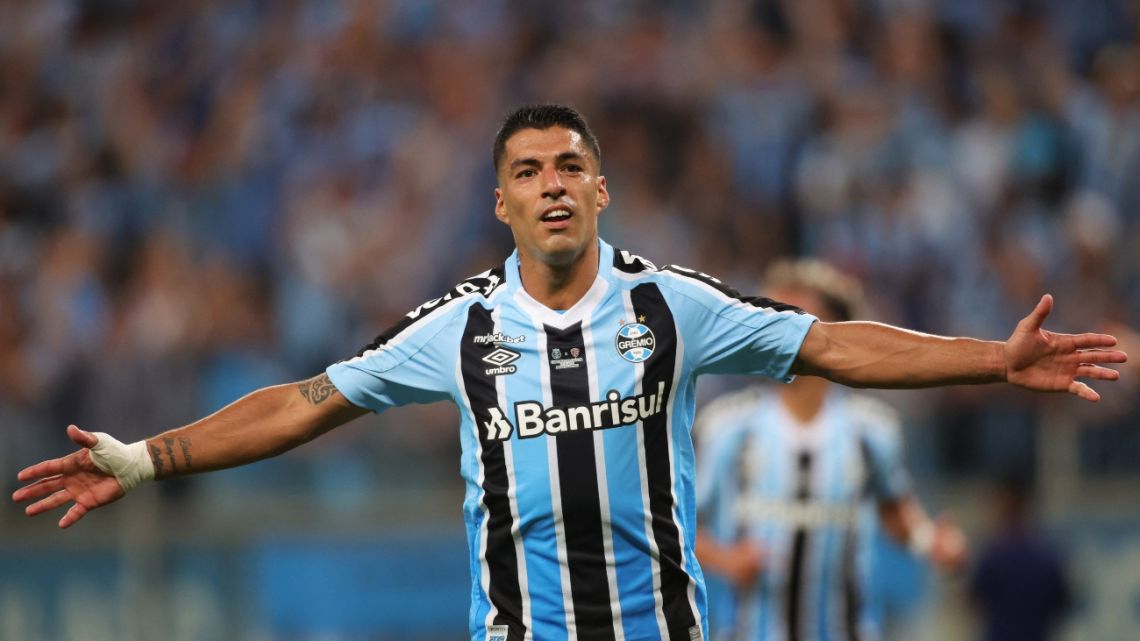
<point x="559" y="286"/>
<point x="804" y="398"/>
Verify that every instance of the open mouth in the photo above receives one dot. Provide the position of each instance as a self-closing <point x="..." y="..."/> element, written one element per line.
<point x="555" y="216"/>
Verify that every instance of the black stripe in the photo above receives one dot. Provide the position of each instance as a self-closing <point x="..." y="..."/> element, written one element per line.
<point x="648" y="303"/>
<point x="799" y="550"/>
<point x="483" y="284"/>
<point x="745" y="480"/>
<point x="578" y="483"/>
<point x="717" y="284"/>
<point x="852" y="596"/>
<point x="500" y="555"/>
<point x="631" y="263"/>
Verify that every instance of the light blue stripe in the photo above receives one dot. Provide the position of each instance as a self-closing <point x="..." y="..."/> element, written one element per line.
<point x="684" y="482"/>
<point x="532" y="472"/>
<point x="624" y="477"/>
<point x="474" y="517"/>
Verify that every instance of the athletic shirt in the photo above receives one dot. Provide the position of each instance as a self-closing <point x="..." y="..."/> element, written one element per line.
<point x="575" y="433"/>
<point x="803" y="494"/>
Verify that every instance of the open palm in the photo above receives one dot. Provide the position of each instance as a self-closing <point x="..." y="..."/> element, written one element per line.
<point x="70" y="478"/>
<point x="1050" y="362"/>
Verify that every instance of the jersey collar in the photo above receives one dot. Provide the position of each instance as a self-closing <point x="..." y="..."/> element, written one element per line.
<point x="580" y="310"/>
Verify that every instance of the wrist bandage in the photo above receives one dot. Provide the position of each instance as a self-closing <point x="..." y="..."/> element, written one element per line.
<point x="129" y="464"/>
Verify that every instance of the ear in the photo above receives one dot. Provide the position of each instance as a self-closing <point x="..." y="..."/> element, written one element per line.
<point x="501" y="207"/>
<point x="603" y="194"/>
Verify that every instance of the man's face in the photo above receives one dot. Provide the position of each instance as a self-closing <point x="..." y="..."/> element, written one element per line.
<point x="550" y="194"/>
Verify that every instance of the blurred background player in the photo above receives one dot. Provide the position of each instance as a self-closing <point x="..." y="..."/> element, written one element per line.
<point x="1020" y="585"/>
<point x="787" y="481"/>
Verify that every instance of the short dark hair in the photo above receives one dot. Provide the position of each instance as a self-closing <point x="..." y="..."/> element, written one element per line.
<point x="543" y="117"/>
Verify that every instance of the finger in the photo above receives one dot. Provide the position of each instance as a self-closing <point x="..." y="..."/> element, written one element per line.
<point x="50" y="503"/>
<point x="1083" y="391"/>
<point x="76" y="512"/>
<point x="1097" y="373"/>
<point x="1102" y="356"/>
<point x="1036" y="318"/>
<point x="41" y="470"/>
<point x="81" y="437"/>
<point x="1084" y="341"/>
<point x="40" y="488"/>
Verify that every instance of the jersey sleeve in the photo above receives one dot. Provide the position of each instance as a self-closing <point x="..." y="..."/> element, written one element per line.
<point x="727" y="333"/>
<point x="412" y="362"/>
<point x="881" y="439"/>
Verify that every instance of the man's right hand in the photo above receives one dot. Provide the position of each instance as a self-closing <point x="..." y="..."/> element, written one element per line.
<point x="74" y="477"/>
<point x="744" y="561"/>
<point x="949" y="549"/>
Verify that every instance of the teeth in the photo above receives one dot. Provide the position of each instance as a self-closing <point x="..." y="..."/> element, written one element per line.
<point x="556" y="215"/>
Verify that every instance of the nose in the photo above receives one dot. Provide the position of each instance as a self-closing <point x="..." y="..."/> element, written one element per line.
<point x="552" y="186"/>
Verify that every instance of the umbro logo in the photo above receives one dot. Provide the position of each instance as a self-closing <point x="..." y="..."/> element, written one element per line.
<point x="500" y="360"/>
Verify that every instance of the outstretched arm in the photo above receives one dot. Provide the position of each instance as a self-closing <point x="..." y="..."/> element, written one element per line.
<point x="863" y="354"/>
<point x="257" y="426"/>
<point x="941" y="540"/>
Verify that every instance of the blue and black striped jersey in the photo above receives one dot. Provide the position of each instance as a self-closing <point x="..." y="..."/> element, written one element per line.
<point x="575" y="433"/>
<point x="803" y="493"/>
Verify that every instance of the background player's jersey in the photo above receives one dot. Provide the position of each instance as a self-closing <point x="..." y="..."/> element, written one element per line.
<point x="800" y="492"/>
<point x="575" y="437"/>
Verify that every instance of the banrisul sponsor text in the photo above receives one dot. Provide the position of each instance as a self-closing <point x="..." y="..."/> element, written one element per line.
<point x="532" y="419"/>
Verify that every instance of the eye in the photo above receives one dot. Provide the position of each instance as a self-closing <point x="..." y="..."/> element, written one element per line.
<point x="572" y="168"/>
<point x="526" y="173"/>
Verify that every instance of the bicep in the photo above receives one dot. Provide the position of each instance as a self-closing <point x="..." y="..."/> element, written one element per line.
<point x="816" y="345"/>
<point x="323" y="404"/>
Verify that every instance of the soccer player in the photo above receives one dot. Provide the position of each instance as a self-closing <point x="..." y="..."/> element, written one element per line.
<point x="785" y="482"/>
<point x="573" y="367"/>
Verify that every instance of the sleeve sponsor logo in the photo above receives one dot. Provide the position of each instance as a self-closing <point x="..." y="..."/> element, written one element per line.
<point x="533" y="419"/>
<point x="484" y="283"/>
<point x="630" y="260"/>
<point x="635" y="342"/>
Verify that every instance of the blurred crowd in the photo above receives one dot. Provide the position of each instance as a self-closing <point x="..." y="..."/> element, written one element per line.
<point x="201" y="197"/>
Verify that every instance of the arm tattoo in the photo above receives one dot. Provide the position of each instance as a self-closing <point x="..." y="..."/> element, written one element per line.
<point x="165" y="463"/>
<point x="156" y="458"/>
<point x="185" y="443"/>
<point x="318" y="389"/>
<point x="169" y="443"/>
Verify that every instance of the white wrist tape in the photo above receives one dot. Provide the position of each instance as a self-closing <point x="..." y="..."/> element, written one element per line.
<point x="922" y="538"/>
<point x="130" y="464"/>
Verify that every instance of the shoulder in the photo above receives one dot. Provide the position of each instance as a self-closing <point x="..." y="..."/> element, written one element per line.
<point x="480" y="288"/>
<point x="630" y="266"/>
<point x="694" y="285"/>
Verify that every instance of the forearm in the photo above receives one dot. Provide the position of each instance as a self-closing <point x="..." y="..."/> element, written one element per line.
<point x="711" y="554"/>
<point x="902" y="518"/>
<point x="864" y="354"/>
<point x="262" y="424"/>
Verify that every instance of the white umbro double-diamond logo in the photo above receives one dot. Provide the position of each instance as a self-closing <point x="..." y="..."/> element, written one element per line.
<point x="501" y="356"/>
<point x="500" y="361"/>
